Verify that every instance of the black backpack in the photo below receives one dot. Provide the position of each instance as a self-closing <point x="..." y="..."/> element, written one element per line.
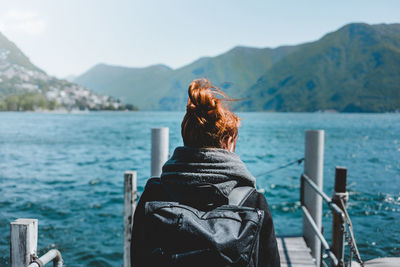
<point x="181" y="235"/>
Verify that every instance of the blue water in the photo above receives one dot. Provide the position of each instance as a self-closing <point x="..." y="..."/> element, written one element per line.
<point x="67" y="171"/>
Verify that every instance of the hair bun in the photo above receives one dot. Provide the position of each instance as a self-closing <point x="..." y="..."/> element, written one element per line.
<point x="206" y="116"/>
<point x="201" y="96"/>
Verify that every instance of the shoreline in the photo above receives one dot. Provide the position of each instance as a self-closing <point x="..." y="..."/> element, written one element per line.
<point x="112" y="111"/>
<point x="64" y="111"/>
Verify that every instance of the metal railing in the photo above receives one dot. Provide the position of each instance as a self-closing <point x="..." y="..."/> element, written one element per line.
<point x="327" y="199"/>
<point x="331" y="205"/>
<point x="324" y="243"/>
<point x="52" y="255"/>
<point x="340" y="218"/>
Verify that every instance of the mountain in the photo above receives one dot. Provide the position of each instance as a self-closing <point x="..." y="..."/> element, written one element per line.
<point x="14" y="56"/>
<point x="141" y="86"/>
<point x="160" y="87"/>
<point x="23" y="86"/>
<point x="233" y="71"/>
<point x="353" y="69"/>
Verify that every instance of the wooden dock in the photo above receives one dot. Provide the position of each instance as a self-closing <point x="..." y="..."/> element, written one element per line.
<point x="294" y="252"/>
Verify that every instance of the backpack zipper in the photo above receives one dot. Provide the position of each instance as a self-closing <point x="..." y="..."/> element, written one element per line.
<point x="259" y="213"/>
<point x="227" y="207"/>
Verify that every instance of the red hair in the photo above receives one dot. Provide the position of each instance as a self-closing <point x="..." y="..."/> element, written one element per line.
<point x="208" y="122"/>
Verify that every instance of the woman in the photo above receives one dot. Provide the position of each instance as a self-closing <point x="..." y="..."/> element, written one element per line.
<point x="207" y="160"/>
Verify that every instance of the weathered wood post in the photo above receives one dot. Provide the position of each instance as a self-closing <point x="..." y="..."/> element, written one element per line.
<point x="337" y="221"/>
<point x="313" y="168"/>
<point x="130" y="198"/>
<point x="159" y="149"/>
<point x="24" y="237"/>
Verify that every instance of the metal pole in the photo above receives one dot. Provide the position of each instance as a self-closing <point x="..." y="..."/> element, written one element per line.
<point x="130" y="197"/>
<point x="24" y="237"/>
<point x="337" y="220"/>
<point x="313" y="168"/>
<point x="159" y="149"/>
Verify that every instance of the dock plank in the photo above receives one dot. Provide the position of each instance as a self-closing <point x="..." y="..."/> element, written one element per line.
<point x="294" y="252"/>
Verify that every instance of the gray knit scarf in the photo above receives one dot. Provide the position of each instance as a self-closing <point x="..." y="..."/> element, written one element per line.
<point x="190" y="168"/>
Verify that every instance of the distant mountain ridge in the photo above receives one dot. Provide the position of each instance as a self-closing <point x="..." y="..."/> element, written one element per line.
<point x="162" y="88"/>
<point x="353" y="69"/>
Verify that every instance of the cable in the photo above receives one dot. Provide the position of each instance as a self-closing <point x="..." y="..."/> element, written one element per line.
<point x="350" y="239"/>
<point x="299" y="161"/>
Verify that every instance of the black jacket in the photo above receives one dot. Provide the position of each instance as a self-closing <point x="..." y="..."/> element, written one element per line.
<point x="268" y="254"/>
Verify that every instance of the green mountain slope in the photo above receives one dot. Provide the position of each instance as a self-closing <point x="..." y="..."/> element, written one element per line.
<point x="159" y="87"/>
<point x="141" y="86"/>
<point x="233" y="71"/>
<point x="355" y="69"/>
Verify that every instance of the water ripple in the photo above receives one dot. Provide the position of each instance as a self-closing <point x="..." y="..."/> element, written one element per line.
<point x="67" y="171"/>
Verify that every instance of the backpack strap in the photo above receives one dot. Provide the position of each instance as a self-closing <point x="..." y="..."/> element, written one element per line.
<point x="239" y="195"/>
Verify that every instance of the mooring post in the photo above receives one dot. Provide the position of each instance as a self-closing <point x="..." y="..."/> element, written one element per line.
<point x="130" y="197"/>
<point x="339" y="194"/>
<point x="159" y="149"/>
<point x="23" y="245"/>
<point x="313" y="168"/>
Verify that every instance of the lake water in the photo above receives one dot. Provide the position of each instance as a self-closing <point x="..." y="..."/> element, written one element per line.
<point x="67" y="171"/>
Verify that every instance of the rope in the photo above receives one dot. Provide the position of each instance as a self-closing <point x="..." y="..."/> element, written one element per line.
<point x="299" y="161"/>
<point x="350" y="239"/>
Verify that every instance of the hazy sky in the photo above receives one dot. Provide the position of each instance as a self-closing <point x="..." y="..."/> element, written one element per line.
<point x="66" y="37"/>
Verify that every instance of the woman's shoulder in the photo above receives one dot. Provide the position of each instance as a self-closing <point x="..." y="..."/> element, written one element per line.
<point x="153" y="190"/>
<point x="152" y="182"/>
<point x="257" y="200"/>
